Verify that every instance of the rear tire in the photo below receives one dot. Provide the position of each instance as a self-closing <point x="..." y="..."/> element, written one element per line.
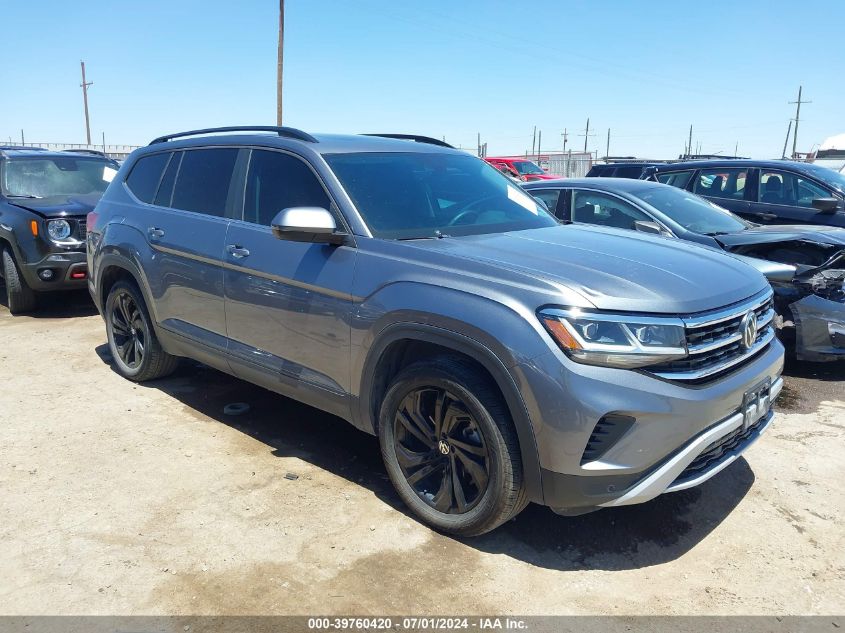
<point x="136" y="350"/>
<point x="450" y="447"/>
<point x="21" y="297"/>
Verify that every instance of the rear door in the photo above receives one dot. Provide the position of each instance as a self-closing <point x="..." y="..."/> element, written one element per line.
<point x="786" y="197"/>
<point x="288" y="304"/>
<point x="185" y="225"/>
<point x="727" y="187"/>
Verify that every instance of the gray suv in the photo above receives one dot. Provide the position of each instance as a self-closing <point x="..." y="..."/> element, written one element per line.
<point x="414" y="291"/>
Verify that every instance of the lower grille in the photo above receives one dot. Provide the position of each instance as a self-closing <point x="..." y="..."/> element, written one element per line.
<point x="82" y="229"/>
<point x="714" y="453"/>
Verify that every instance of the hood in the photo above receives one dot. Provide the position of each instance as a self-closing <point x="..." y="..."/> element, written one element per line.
<point x="784" y="233"/>
<point x="531" y="177"/>
<point x="613" y="269"/>
<point x="59" y="206"/>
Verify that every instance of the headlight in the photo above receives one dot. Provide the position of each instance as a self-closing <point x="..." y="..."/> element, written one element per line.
<point x="615" y="340"/>
<point x="58" y="229"/>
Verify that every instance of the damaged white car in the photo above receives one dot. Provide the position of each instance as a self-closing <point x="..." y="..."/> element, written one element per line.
<point x="805" y="264"/>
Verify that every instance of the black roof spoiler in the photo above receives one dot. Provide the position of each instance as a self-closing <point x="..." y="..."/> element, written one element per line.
<point x="287" y="132"/>
<point x="416" y="138"/>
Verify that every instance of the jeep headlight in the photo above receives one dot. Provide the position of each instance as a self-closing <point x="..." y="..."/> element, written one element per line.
<point x="58" y="229"/>
<point x="616" y="340"/>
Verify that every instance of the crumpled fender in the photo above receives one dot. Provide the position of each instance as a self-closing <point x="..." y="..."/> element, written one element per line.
<point x="819" y="328"/>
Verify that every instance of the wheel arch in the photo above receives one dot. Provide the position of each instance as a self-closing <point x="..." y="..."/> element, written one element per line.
<point x="401" y="343"/>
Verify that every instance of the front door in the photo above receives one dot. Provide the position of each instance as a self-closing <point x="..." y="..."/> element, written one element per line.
<point x="288" y="304"/>
<point x="785" y="197"/>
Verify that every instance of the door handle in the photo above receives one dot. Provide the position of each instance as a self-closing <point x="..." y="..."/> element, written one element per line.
<point x="237" y="251"/>
<point x="767" y="216"/>
<point x="155" y="233"/>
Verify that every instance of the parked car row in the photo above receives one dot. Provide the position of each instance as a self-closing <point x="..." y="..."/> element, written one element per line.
<point x="805" y="264"/>
<point x="500" y="355"/>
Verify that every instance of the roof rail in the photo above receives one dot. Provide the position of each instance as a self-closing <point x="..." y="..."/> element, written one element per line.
<point x="416" y="138"/>
<point x="82" y="150"/>
<point x="20" y="147"/>
<point x="287" y="132"/>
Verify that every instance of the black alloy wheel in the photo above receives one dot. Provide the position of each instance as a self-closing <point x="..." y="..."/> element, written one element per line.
<point x="441" y="451"/>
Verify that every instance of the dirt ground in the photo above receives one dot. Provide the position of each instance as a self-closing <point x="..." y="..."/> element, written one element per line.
<point x="118" y="498"/>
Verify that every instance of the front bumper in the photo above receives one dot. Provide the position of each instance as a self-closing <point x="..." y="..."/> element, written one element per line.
<point x="69" y="271"/>
<point x="819" y="329"/>
<point x="674" y="474"/>
<point x="672" y="425"/>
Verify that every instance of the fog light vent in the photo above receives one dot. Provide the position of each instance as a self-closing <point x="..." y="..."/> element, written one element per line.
<point x="605" y="434"/>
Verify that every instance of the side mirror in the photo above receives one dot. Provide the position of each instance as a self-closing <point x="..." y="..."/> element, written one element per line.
<point x="649" y="227"/>
<point x="826" y="205"/>
<point x="307" y="224"/>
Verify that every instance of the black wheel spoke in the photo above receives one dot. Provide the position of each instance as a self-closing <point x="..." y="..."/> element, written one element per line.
<point x="411" y="459"/>
<point x="424" y="472"/>
<point x="466" y="447"/>
<point x="458" y="487"/>
<point x="128" y="330"/>
<point x="409" y="423"/>
<point x="473" y="469"/>
<point x="123" y="350"/>
<point x="118" y="326"/>
<point x="443" y="500"/>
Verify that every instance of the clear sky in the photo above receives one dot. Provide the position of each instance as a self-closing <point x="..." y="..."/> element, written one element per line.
<point x="647" y="70"/>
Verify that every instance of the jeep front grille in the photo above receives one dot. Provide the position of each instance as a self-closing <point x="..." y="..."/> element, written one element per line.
<point x="715" y="342"/>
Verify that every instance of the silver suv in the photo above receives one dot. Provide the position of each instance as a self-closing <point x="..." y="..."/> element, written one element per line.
<point x="414" y="291"/>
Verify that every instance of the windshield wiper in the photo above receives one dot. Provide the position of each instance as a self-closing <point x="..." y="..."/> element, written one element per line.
<point x="438" y="235"/>
<point x="23" y="195"/>
<point x="717" y="233"/>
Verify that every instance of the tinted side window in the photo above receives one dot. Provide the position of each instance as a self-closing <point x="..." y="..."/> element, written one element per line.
<point x="165" y="189"/>
<point x="783" y="187"/>
<point x="629" y="172"/>
<point x="277" y="181"/>
<point x="675" y="178"/>
<point x="549" y="197"/>
<point x="145" y="175"/>
<point x="203" y="182"/>
<point x="605" y="210"/>
<point x="721" y="183"/>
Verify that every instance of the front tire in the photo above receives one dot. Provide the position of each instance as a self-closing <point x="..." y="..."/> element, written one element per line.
<point x="136" y="350"/>
<point x="450" y="447"/>
<point x="20" y="296"/>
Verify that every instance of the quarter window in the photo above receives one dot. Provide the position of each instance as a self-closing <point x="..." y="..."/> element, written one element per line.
<point x="721" y="183"/>
<point x="145" y="175"/>
<point x="549" y="198"/>
<point x="203" y="181"/>
<point x="165" y="189"/>
<point x="277" y="181"/>
<point x="675" y="178"/>
<point x="590" y="207"/>
<point x="783" y="187"/>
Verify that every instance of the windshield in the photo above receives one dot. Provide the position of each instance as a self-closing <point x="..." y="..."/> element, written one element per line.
<point x="691" y="211"/>
<point x="527" y="167"/>
<point x="56" y="176"/>
<point x="414" y="195"/>
<point x="825" y="174"/>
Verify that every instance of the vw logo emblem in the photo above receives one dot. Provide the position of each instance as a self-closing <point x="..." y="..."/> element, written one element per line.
<point x="444" y="447"/>
<point x="748" y="330"/>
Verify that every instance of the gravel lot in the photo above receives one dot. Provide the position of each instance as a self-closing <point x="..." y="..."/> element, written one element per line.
<point x="118" y="498"/>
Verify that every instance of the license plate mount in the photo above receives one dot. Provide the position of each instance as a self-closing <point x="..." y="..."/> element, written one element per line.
<point x="756" y="403"/>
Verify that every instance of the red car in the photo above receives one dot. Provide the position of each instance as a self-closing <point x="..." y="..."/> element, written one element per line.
<point x="522" y="168"/>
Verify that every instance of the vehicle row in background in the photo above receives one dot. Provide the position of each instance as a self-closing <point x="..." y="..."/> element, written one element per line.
<point x="805" y="264"/>
<point x="519" y="168"/>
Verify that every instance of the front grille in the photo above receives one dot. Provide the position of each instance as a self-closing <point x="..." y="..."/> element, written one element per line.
<point x="715" y="345"/>
<point x="718" y="450"/>
<point x="83" y="230"/>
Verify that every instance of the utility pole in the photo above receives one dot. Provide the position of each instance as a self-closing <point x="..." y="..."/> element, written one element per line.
<point x="534" y="140"/>
<point x="22" y="141"/>
<point x="565" y="139"/>
<point x="280" y="63"/>
<point x="539" y="142"/>
<point x="607" y="151"/>
<point x="478" y="143"/>
<point x="736" y="149"/>
<point x="689" y="146"/>
<point x="85" y="85"/>
<point x="797" y="117"/>
<point x="586" y="134"/>
<point x="786" y="140"/>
